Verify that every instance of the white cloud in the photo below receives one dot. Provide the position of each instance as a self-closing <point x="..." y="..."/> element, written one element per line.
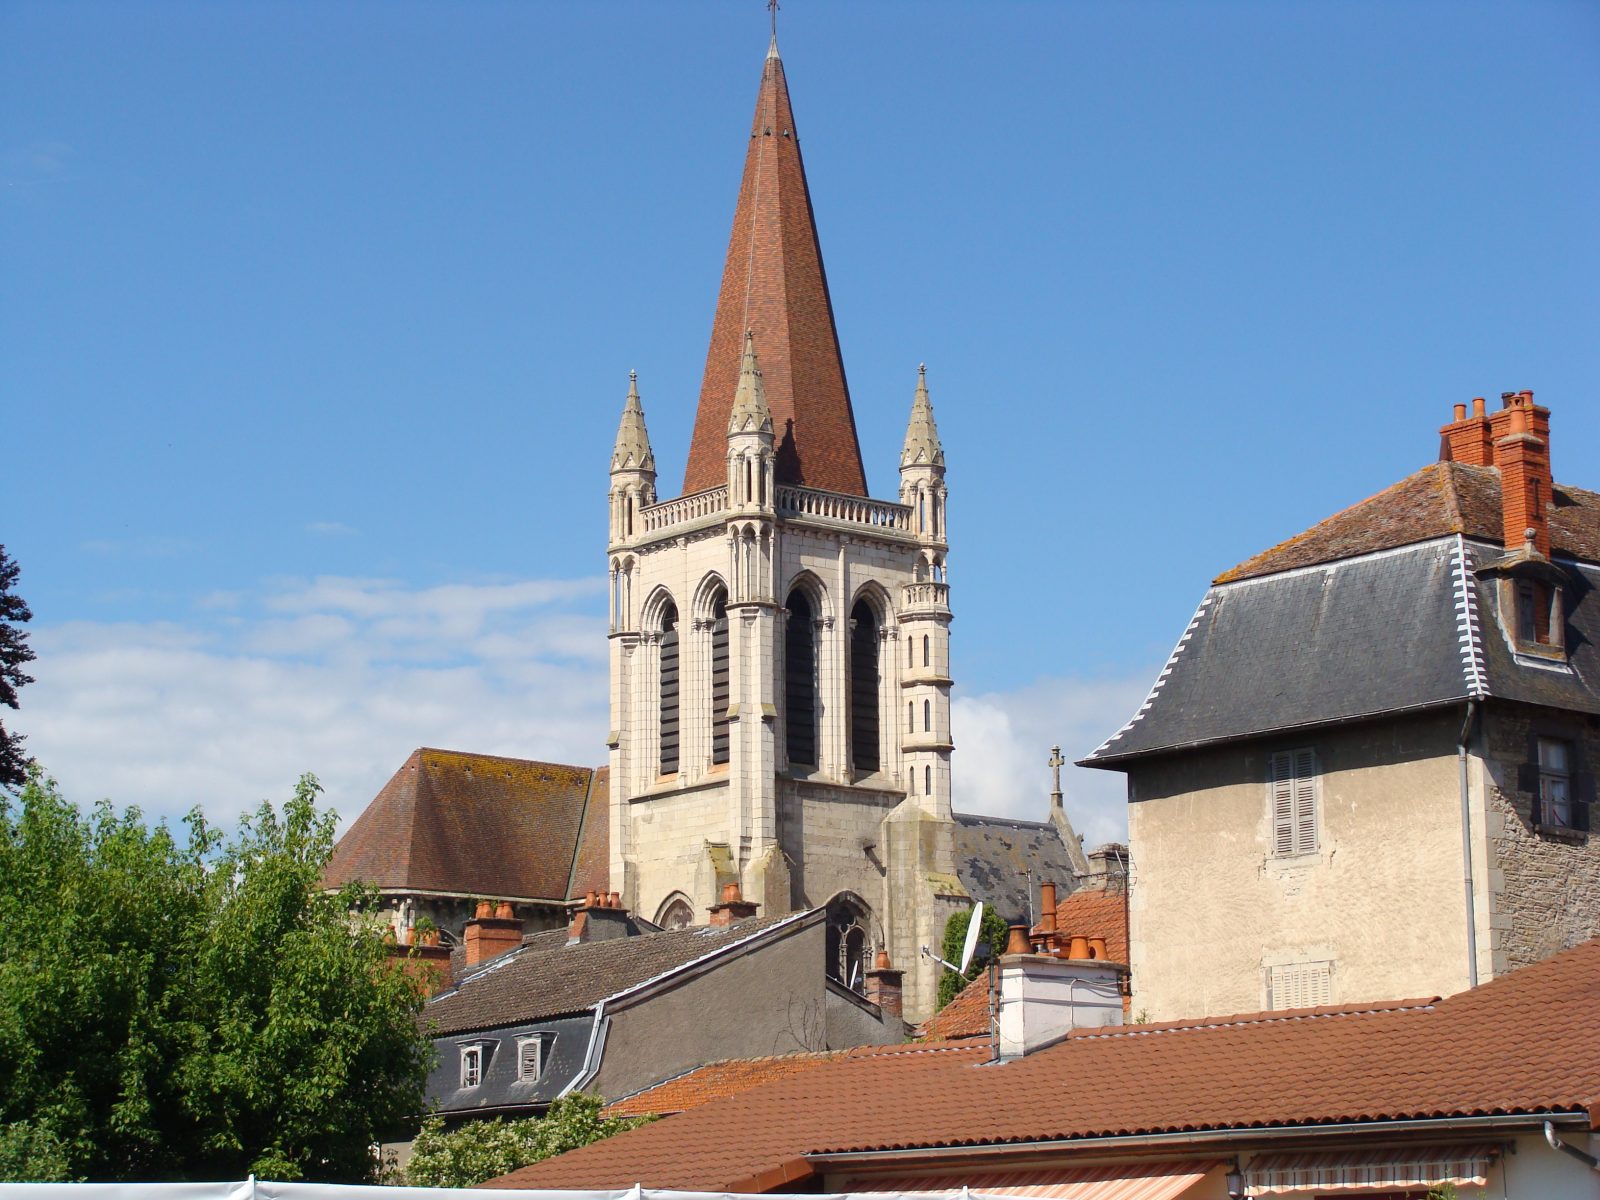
<point x="331" y="529"/>
<point x="342" y="677"/>
<point x="345" y="677"/>
<point x="1003" y="745"/>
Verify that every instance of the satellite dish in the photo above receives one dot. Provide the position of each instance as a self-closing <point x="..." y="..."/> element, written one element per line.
<point x="973" y="927"/>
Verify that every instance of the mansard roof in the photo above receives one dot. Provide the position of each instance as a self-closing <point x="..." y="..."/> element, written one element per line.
<point x="1378" y="609"/>
<point x="541" y="980"/>
<point x="773" y="285"/>
<point x="479" y="825"/>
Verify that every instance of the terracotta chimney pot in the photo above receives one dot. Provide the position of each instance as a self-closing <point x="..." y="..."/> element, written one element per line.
<point x="1461" y="412"/>
<point x="730" y="892"/>
<point x="1047" y="907"/>
<point x="484" y="909"/>
<point x="1017" y="940"/>
<point x="881" y="961"/>
<point x="1479" y="407"/>
<point x="503" y="911"/>
<point x="1080" y="947"/>
<point x="616" y="900"/>
<point x="1097" y="947"/>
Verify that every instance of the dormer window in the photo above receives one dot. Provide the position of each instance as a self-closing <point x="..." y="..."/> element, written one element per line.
<point x="1532" y="596"/>
<point x="471" y="1066"/>
<point x="531" y="1054"/>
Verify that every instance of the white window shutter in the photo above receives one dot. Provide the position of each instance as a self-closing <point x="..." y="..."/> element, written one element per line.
<point x="1305" y="802"/>
<point x="1283" y="822"/>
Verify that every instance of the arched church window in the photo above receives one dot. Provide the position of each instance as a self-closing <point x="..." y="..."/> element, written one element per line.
<point x="799" y="680"/>
<point x="924" y="649"/>
<point x="719" y="679"/>
<point x="927" y="781"/>
<point x="911" y="716"/>
<point x="847" y="941"/>
<point x="927" y="716"/>
<point x="676" y="913"/>
<point x="669" y="690"/>
<point x="864" y="687"/>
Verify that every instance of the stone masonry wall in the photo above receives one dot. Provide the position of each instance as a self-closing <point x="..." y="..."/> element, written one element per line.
<point x="1544" y="883"/>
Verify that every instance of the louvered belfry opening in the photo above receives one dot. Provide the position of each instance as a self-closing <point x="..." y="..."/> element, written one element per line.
<point x="719" y="680"/>
<point x="669" y="690"/>
<point x="800" y="681"/>
<point x="864" y="688"/>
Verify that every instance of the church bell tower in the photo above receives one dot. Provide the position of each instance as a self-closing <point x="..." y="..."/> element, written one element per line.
<point x="780" y="661"/>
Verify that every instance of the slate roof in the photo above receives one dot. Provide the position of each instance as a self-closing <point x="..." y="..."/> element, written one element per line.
<point x="714" y="1081"/>
<point x="1526" y="1043"/>
<point x="1318" y="640"/>
<point x="995" y="854"/>
<point x="480" y="825"/>
<point x="773" y="284"/>
<point x="533" y="983"/>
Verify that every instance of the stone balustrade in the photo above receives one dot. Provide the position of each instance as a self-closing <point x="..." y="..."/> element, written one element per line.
<point x="850" y="510"/>
<point x="926" y="595"/>
<point x="709" y="503"/>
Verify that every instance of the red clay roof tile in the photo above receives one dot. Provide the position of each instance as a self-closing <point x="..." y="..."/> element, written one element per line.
<point x="773" y="284"/>
<point x="1526" y="1043"/>
<point x="477" y="824"/>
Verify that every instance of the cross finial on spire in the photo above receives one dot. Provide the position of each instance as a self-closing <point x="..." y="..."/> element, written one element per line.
<point x="1056" y="763"/>
<point x="772" y="7"/>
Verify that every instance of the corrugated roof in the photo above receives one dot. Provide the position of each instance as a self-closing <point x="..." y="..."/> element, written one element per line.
<point x="480" y="825"/>
<point x="1526" y="1043"/>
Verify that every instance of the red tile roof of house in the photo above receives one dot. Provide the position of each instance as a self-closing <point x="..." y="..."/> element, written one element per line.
<point x="1440" y="499"/>
<point x="773" y="285"/>
<point x="714" y="1082"/>
<point x="1096" y="912"/>
<point x="966" y="1016"/>
<point x="480" y="825"/>
<point x="1526" y="1043"/>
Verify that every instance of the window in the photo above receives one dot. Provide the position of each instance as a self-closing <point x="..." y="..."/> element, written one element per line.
<point x="846" y="941"/>
<point x="864" y="688"/>
<point x="925" y="650"/>
<point x="719" y="680"/>
<point x="1294" y="802"/>
<point x="531" y="1054"/>
<point x="669" y="690"/>
<point x="799" y="681"/>
<point x="927" y="716"/>
<point x="927" y="781"/>
<point x="1555" y="784"/>
<point x="471" y="1066"/>
<point x="1299" y="985"/>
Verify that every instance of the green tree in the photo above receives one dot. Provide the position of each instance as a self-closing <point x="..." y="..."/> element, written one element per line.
<point x="480" y="1150"/>
<point x="14" y="652"/>
<point x="175" y="1008"/>
<point x="992" y="931"/>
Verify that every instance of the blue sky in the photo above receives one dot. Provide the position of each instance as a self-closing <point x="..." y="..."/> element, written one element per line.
<point x="318" y="318"/>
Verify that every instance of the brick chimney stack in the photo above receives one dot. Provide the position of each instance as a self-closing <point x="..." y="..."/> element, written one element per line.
<point x="1522" y="453"/>
<point x="1468" y="439"/>
<point x="884" y="985"/>
<point x="733" y="907"/>
<point x="493" y="930"/>
<point x="600" y="916"/>
<point x="424" y="959"/>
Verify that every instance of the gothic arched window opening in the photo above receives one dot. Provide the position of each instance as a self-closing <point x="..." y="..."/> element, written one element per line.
<point x="864" y="687"/>
<point x="719" y="679"/>
<point x="799" y="681"/>
<point x="849" y="947"/>
<point x="669" y="690"/>
<point x="676" y="913"/>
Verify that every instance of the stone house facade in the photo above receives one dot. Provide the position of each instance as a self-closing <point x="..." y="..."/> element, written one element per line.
<point x="1368" y="766"/>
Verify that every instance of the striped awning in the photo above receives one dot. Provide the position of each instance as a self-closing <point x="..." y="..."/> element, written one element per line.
<point x="1397" y="1167"/>
<point x="1129" y="1181"/>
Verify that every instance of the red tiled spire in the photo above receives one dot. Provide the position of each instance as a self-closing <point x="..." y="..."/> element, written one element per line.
<point x="773" y="284"/>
